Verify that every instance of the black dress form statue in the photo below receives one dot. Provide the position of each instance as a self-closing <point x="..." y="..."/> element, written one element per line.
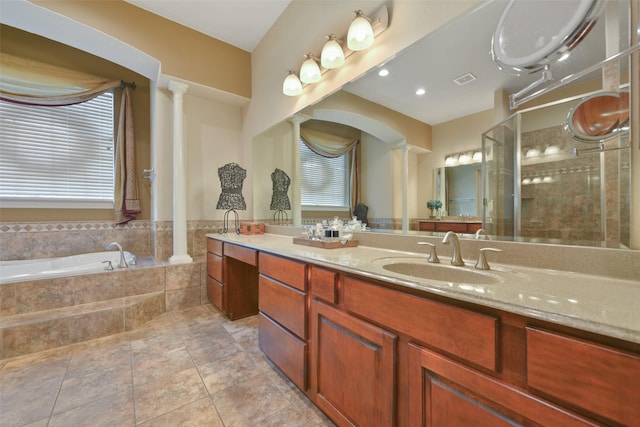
<point x="231" y="178"/>
<point x="280" y="198"/>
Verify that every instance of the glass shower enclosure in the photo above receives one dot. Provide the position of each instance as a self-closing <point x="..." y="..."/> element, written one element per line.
<point x="542" y="185"/>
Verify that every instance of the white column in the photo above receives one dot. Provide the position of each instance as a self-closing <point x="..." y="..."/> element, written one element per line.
<point x="405" y="187"/>
<point x="296" y="193"/>
<point x="180" y="254"/>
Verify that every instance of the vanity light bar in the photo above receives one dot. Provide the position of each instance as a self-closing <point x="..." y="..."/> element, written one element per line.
<point x="379" y="22"/>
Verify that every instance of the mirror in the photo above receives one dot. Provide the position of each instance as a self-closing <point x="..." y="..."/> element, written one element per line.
<point x="465" y="96"/>
<point x="459" y="188"/>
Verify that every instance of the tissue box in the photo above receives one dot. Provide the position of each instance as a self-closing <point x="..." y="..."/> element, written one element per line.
<point x="251" y="228"/>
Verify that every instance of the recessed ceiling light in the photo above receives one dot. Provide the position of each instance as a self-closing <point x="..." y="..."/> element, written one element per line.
<point x="420" y="92"/>
<point x="383" y="72"/>
<point x="464" y="79"/>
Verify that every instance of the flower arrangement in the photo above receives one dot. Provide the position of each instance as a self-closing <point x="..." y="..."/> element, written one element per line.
<point x="434" y="204"/>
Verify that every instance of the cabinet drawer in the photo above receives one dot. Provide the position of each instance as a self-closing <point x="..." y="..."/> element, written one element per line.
<point x="293" y="273"/>
<point x="214" y="246"/>
<point x="323" y="284"/>
<point x="285" y="350"/>
<point x="599" y="379"/>
<point x="246" y="255"/>
<point x="283" y="304"/>
<point x="214" y="292"/>
<point x="461" y="333"/>
<point x="214" y="266"/>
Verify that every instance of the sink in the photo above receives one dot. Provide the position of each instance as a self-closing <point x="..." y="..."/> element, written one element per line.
<point x="416" y="267"/>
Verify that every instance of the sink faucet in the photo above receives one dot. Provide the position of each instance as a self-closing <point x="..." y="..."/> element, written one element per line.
<point x="122" y="263"/>
<point x="456" y="258"/>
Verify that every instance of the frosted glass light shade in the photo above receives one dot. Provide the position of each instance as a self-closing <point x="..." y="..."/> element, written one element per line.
<point x="360" y="35"/>
<point x="292" y="85"/>
<point x="332" y="54"/>
<point x="310" y="71"/>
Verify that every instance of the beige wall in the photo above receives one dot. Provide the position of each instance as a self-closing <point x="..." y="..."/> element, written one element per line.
<point x="183" y="52"/>
<point x="449" y="137"/>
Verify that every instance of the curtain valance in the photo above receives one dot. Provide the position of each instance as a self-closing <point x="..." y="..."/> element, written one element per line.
<point x="326" y="144"/>
<point x="35" y="83"/>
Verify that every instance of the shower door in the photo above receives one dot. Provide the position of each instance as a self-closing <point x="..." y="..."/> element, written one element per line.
<point x="499" y="176"/>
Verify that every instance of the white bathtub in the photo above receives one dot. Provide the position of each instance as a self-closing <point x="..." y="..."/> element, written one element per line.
<point x="20" y="271"/>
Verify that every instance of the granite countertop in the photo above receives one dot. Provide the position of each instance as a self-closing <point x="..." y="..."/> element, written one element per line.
<point x="598" y="304"/>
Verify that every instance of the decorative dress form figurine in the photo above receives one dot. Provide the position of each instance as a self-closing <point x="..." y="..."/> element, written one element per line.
<point x="231" y="178"/>
<point x="280" y="199"/>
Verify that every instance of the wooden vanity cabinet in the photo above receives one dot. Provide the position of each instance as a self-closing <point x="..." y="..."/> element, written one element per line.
<point x="232" y="278"/>
<point x="215" y="274"/>
<point x="443" y="392"/>
<point x="444" y="226"/>
<point x="353" y="372"/>
<point x="282" y="319"/>
<point x="370" y="353"/>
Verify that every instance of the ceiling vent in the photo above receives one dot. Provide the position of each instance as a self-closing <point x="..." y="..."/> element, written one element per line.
<point x="464" y="79"/>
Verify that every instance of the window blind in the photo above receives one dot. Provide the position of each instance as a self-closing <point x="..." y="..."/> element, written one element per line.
<point x="324" y="181"/>
<point x="57" y="156"/>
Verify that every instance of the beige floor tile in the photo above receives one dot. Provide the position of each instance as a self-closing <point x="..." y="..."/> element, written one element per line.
<point x="78" y="391"/>
<point x="115" y="410"/>
<point x="187" y="368"/>
<point x="159" y="397"/>
<point x="152" y="367"/>
<point x="200" y="413"/>
<point x="249" y="402"/>
<point x="228" y="371"/>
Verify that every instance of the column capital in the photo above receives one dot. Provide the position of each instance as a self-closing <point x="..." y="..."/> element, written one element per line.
<point x="178" y="88"/>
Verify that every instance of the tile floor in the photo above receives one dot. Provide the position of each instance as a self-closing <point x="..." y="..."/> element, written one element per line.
<point x="186" y="368"/>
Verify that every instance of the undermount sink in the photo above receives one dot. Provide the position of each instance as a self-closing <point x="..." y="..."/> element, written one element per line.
<point x="440" y="272"/>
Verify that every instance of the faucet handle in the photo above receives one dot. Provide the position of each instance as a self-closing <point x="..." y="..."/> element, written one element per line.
<point x="482" y="263"/>
<point x="433" y="255"/>
<point x="109" y="265"/>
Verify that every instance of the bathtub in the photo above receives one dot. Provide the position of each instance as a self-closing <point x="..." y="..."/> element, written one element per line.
<point x="26" y="270"/>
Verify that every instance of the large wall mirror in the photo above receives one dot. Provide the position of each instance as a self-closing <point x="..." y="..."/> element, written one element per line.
<point x="405" y="137"/>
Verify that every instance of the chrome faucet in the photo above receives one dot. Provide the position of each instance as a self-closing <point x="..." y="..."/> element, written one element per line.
<point x="456" y="258"/>
<point x="122" y="263"/>
<point x="482" y="233"/>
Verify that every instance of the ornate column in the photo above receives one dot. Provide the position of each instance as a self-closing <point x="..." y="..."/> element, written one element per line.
<point x="180" y="254"/>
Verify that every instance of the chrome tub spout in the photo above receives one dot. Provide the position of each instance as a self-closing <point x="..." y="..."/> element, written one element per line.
<point x="123" y="262"/>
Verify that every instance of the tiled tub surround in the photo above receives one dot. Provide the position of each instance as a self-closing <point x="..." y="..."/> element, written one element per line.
<point x="43" y="314"/>
<point x="592" y="289"/>
<point x="55" y="239"/>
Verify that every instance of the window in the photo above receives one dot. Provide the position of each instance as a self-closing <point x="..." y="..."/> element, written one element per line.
<point x="324" y="181"/>
<point x="57" y="157"/>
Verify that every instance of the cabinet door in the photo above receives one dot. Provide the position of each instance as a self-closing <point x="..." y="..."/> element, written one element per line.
<point x="445" y="393"/>
<point x="353" y="370"/>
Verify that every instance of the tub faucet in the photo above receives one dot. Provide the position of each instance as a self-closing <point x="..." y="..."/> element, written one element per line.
<point x="122" y="263"/>
<point x="456" y="258"/>
<point x="482" y="233"/>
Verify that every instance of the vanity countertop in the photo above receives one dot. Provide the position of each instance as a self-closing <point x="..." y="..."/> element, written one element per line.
<point x="598" y="304"/>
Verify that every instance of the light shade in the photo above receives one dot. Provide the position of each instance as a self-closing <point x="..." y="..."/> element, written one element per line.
<point x="332" y="54"/>
<point x="292" y="85"/>
<point x="310" y="71"/>
<point x="360" y="35"/>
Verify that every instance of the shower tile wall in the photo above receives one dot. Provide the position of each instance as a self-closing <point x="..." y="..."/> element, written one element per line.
<point x="560" y="193"/>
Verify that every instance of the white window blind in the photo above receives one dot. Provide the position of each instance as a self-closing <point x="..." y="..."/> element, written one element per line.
<point x="57" y="157"/>
<point x="324" y="181"/>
